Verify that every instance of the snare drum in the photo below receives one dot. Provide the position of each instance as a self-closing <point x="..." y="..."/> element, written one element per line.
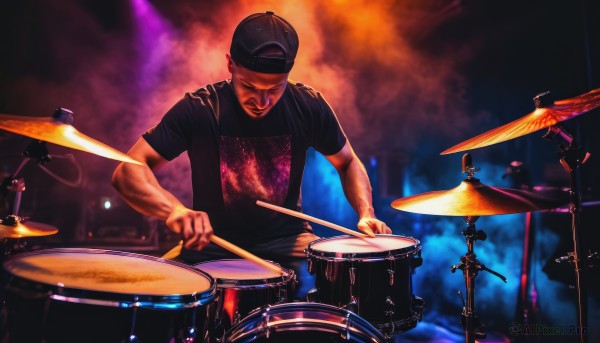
<point x="301" y="322"/>
<point x="90" y="295"/>
<point x="369" y="276"/>
<point x="243" y="286"/>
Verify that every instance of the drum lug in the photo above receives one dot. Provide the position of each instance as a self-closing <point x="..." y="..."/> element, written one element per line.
<point x="264" y="323"/>
<point x="132" y="337"/>
<point x="309" y="264"/>
<point x="417" y="261"/>
<point x="347" y="336"/>
<point x="352" y="272"/>
<point x="294" y="283"/>
<point x="389" y="307"/>
<point x="391" y="269"/>
<point x="329" y="271"/>
<point x="312" y="295"/>
<point x="236" y="317"/>
<point x="389" y="311"/>
<point x="282" y="296"/>
<point x="352" y="306"/>
<point x="418" y="303"/>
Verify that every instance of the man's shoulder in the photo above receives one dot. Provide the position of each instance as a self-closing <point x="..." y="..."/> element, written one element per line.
<point x="210" y="91"/>
<point x="305" y="96"/>
<point x="303" y="89"/>
<point x="207" y="98"/>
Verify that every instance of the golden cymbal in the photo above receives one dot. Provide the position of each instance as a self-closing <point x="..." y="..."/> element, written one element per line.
<point x="541" y="118"/>
<point x="14" y="227"/>
<point x="472" y="198"/>
<point x="50" y="130"/>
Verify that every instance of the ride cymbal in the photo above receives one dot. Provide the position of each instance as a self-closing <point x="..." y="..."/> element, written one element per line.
<point x="472" y="198"/>
<point x="51" y="130"/>
<point x="541" y="118"/>
<point x="14" y="227"/>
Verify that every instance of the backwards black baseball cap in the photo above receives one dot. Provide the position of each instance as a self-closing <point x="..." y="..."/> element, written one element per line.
<point x="258" y="32"/>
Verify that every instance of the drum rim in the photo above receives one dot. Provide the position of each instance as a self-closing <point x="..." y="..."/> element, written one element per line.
<point x="375" y="255"/>
<point x="275" y="281"/>
<point x="256" y="316"/>
<point x="105" y="298"/>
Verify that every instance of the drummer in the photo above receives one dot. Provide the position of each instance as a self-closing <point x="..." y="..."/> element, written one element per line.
<point x="246" y="138"/>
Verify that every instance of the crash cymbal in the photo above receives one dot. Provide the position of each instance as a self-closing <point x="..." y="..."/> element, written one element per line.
<point x="15" y="227"/>
<point x="541" y="118"/>
<point x="51" y="130"/>
<point x="472" y="198"/>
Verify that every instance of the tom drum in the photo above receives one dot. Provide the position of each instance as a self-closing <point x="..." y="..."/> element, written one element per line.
<point x="243" y="286"/>
<point x="369" y="276"/>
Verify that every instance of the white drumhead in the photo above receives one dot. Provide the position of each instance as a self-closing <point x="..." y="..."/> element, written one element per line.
<point x="108" y="272"/>
<point x="239" y="269"/>
<point x="351" y="244"/>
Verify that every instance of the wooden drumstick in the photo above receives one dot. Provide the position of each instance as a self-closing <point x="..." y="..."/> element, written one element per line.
<point x="245" y="254"/>
<point x="174" y="253"/>
<point x="313" y="219"/>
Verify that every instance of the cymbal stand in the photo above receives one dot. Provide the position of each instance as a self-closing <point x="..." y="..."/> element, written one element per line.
<point x="35" y="150"/>
<point x="526" y="310"/>
<point x="571" y="157"/>
<point x="471" y="267"/>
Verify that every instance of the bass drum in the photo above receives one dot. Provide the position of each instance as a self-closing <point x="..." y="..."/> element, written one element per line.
<point x="302" y="322"/>
<point x="91" y="295"/>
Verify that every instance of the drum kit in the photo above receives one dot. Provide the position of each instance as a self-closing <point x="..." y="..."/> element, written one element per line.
<point x="363" y="285"/>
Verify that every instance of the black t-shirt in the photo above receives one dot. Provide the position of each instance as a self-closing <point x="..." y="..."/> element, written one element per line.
<point x="237" y="160"/>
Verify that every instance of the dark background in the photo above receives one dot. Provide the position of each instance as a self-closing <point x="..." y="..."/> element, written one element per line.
<point x="408" y="79"/>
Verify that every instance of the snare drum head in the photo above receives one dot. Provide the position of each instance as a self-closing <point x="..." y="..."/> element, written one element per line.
<point x="241" y="272"/>
<point x="351" y="246"/>
<point x="106" y="271"/>
<point x="303" y="322"/>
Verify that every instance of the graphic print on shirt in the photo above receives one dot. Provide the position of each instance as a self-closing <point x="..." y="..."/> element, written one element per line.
<point x="254" y="168"/>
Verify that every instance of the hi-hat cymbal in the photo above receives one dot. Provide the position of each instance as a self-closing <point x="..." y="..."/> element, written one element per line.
<point x="13" y="227"/>
<point x="472" y="198"/>
<point x="50" y="130"/>
<point x="541" y="118"/>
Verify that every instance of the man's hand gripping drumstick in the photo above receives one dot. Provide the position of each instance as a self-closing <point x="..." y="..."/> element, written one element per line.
<point x="174" y="253"/>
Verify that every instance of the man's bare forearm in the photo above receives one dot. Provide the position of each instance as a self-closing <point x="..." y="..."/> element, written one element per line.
<point x="357" y="188"/>
<point x="140" y="189"/>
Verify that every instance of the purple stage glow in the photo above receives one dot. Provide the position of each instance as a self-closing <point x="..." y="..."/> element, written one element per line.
<point x="152" y="37"/>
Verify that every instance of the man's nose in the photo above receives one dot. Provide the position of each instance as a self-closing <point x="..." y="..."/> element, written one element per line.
<point x="262" y="99"/>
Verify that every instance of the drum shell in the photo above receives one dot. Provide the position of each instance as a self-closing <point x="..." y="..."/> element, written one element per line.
<point x="377" y="286"/>
<point x="47" y="320"/>
<point x="301" y="322"/>
<point x="43" y="312"/>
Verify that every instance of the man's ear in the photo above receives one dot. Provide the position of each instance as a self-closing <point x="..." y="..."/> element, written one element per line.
<point x="229" y="62"/>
